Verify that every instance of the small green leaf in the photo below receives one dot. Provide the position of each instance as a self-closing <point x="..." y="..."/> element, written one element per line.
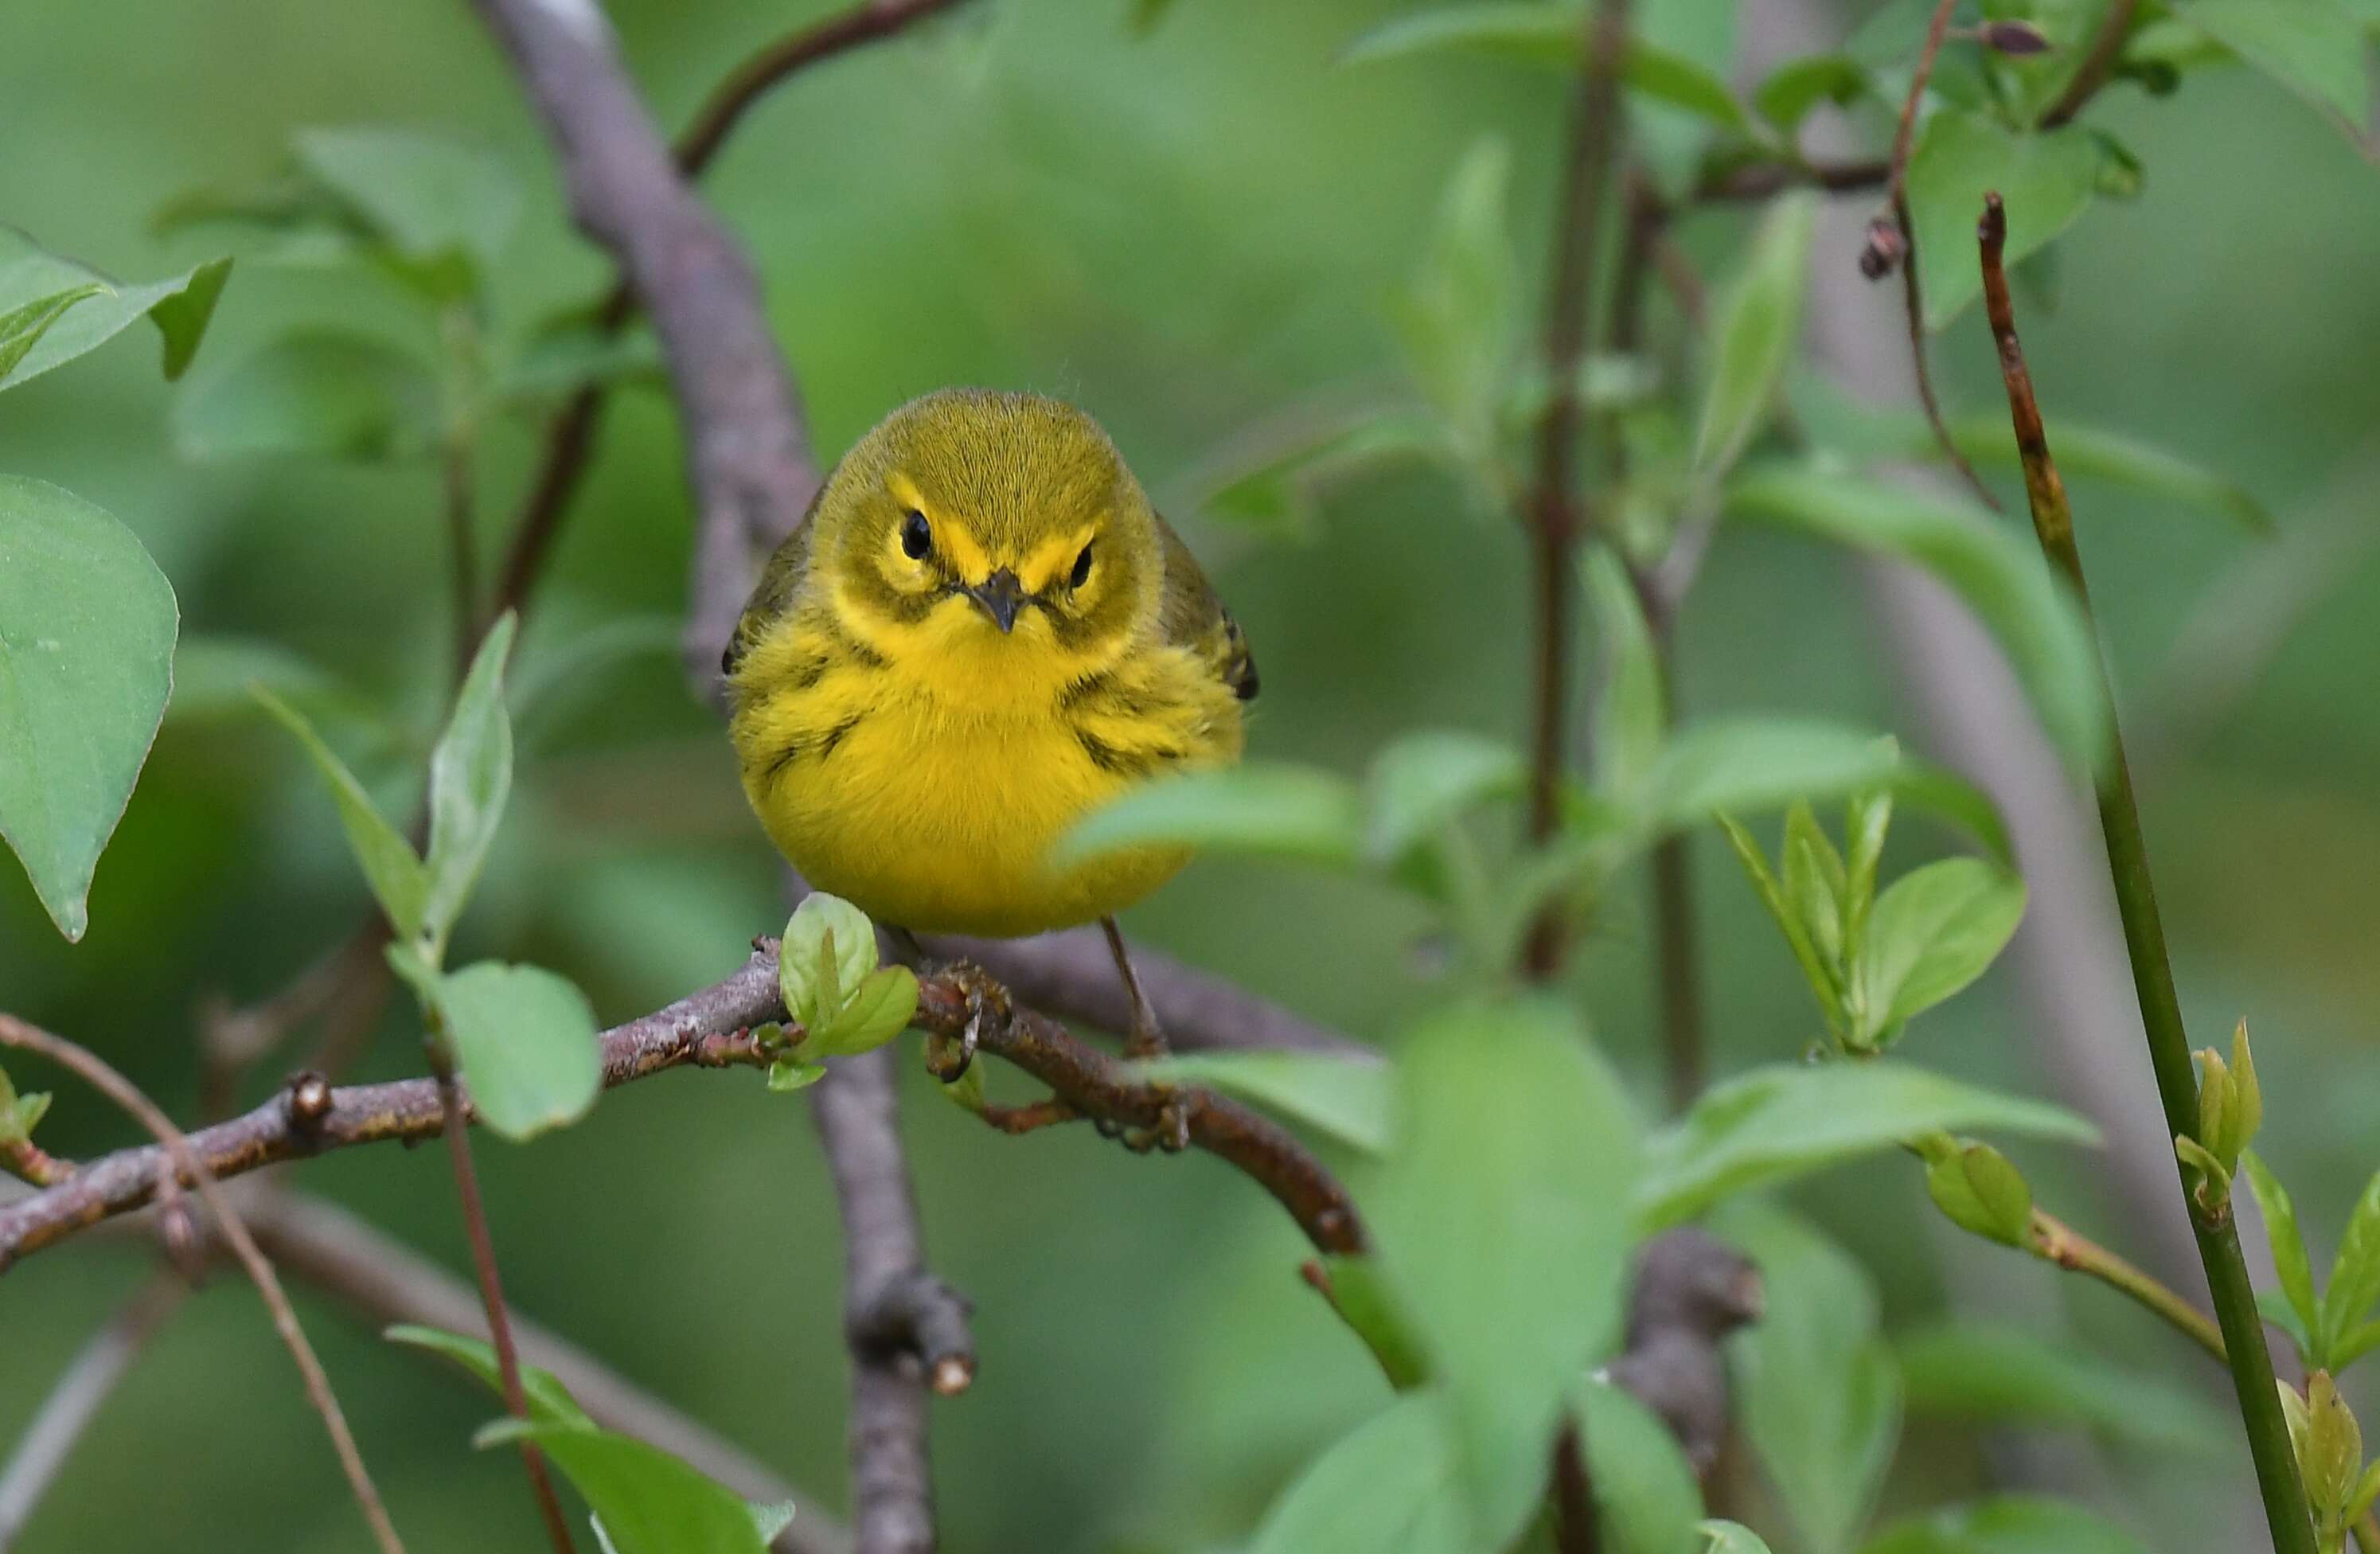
<point x="470" y="776"/>
<point x="550" y="1401"/>
<point x="33" y="1108"/>
<point x="2313" y="48"/>
<point x="1796" y="86"/>
<point x="1389" y="1486"/>
<point x="87" y="626"/>
<point x="1932" y="933"/>
<point x="399" y="881"/>
<point x="648" y="1502"/>
<point x="772" y="1517"/>
<point x="2045" y="179"/>
<point x="527" y="1043"/>
<point x="1745" y="765"/>
<point x="1980" y="1192"/>
<point x="1867" y="819"/>
<point x="1758" y="327"/>
<point x="1632" y="715"/>
<point x="448" y="209"/>
<point x="2274" y="1307"/>
<point x="2009" y="1525"/>
<point x="1511" y="1131"/>
<point x="1785" y="1120"/>
<point x="1554" y="35"/>
<point x="315" y="392"/>
<point x="1814" y="970"/>
<point x="180" y="307"/>
<point x="2037" y="620"/>
<point x="1730" y="1537"/>
<point x="1348" y="1097"/>
<point x="1456" y="316"/>
<point x="1645" y="1495"/>
<point x="1360" y="1295"/>
<point x="874" y="1012"/>
<point x="1814" y="885"/>
<point x="2005" y="1375"/>
<point x="788" y="1074"/>
<point x="1264" y="808"/>
<point x="22" y="328"/>
<point x="2355" y="1272"/>
<point x="1429" y="778"/>
<point x="830" y="945"/>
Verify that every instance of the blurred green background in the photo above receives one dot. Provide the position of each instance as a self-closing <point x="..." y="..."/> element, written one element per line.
<point x="1189" y="235"/>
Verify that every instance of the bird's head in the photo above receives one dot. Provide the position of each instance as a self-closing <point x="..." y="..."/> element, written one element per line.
<point x="993" y="542"/>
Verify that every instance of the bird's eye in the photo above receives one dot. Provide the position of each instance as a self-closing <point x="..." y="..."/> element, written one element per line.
<point x="916" y="536"/>
<point x="1083" y="567"/>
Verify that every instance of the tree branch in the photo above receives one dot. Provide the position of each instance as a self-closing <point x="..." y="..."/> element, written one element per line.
<point x="89" y="1379"/>
<point x="2097" y="67"/>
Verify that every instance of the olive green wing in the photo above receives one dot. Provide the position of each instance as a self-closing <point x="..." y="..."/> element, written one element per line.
<point x="779" y="590"/>
<point x="1192" y="617"/>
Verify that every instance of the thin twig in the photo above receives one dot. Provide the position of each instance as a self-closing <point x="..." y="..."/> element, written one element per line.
<point x="2054" y="1240"/>
<point x="2168" y="1039"/>
<point x="102" y="1077"/>
<point x="1760" y="180"/>
<point x="74" y="1402"/>
<point x="2097" y="68"/>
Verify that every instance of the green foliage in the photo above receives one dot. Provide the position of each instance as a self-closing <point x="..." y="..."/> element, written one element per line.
<point x="391" y="868"/>
<point x="20" y="1115"/>
<point x="1794" y="89"/>
<point x="1261" y="808"/>
<point x="1757" y="329"/>
<point x="2046" y="179"/>
<point x="316" y="392"/>
<point x="2314" y="48"/>
<point x="22" y="328"/>
<point x="2329" y="1447"/>
<point x="1348" y="1099"/>
<point x="2004" y="1374"/>
<point x="1979" y="1190"/>
<point x="1644" y="1491"/>
<point x="1784" y="1120"/>
<point x="1457" y="316"/>
<point x="1389" y="1486"/>
<point x="526" y="1041"/>
<point x="549" y="1400"/>
<point x="1426" y="780"/>
<point x="1510" y="1133"/>
<point x="847" y="1004"/>
<point x="1742" y="766"/>
<point x="646" y="1500"/>
<point x="2009" y="1525"/>
<point x="85" y="309"/>
<point x="1730" y="1537"/>
<point x="470" y="777"/>
<point x="86" y="666"/>
<point x="2289" y="1260"/>
<point x="444" y="210"/>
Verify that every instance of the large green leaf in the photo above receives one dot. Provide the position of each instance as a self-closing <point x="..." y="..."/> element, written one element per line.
<point x="1820" y="1394"/>
<point x="2314" y="48"/>
<point x="1269" y="810"/>
<point x="87" y="626"/>
<point x="1742" y="766"/>
<point x="1502" y="1220"/>
<point x="446" y="207"/>
<point x="2001" y="576"/>
<point x="1758" y="327"/>
<point x="317" y="392"/>
<point x="22" y="328"/>
<point x="2002" y="1373"/>
<point x="1551" y="35"/>
<point x="1932" y="933"/>
<point x="2009" y="1524"/>
<point x="180" y="306"/>
<point x="527" y="1043"/>
<point x="1389" y="1486"/>
<point x="648" y="1502"/>
<point x="390" y="866"/>
<point x="1350" y="1099"/>
<point x="2045" y="180"/>
<point x="1645" y="1488"/>
<point x="1785" y="1120"/>
<point x="470" y="776"/>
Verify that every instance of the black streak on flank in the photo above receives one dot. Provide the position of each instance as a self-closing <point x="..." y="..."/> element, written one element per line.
<point x="1127" y="763"/>
<point x="805" y="744"/>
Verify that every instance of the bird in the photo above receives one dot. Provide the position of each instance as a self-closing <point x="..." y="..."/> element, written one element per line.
<point x="981" y="631"/>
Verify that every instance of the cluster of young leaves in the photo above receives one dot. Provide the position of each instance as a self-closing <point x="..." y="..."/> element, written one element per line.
<point x="844" y="1003"/>
<point x="523" y="1038"/>
<point x="2335" y="1327"/>
<point x="87" y="661"/>
<point x="435" y="216"/>
<point x="642" y="1500"/>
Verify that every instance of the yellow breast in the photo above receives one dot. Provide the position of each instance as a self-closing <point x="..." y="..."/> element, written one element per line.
<point x="938" y="811"/>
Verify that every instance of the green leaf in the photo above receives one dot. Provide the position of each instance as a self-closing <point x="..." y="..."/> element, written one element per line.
<point x="1758" y="327"/>
<point x="873" y="1013"/>
<point x="2094" y="451"/>
<point x="1796" y="86"/>
<point x="211" y="676"/>
<point x="1427" y="780"/>
<point x="1785" y="1120"/>
<point x="1511" y="1133"/>
<point x="1350" y="1099"/>
<point x="447" y="207"/>
<point x="1814" y="970"/>
<point x="180" y="306"/>
<point x="1814" y="885"/>
<point x="2009" y="1525"/>
<point x="1742" y="766"/>
<point x="549" y="1400"/>
<point x="1358" y="1292"/>
<point x="22" y="328"/>
<point x="470" y="776"/>
<point x="2045" y="179"/>
<point x="1866" y="819"/>
<point x="2355" y="1273"/>
<point x="648" y="1502"/>
<point x="1971" y="1371"/>
<point x="2002" y="578"/>
<point x="2349" y="1347"/>
<point x="1455" y="318"/>
<point x="1645" y="1495"/>
<point x="1632" y="716"/>
<point x="391" y="868"/>
<point x="1820" y="1394"/>
<point x="1265" y="808"/>
<point x="1389" y="1486"/>
<point x="1730" y="1537"/>
<point x="2313" y="48"/>
<point x="559" y="361"/>
<point x="1982" y="1193"/>
<point x="788" y="1074"/>
<point x="527" y="1043"/>
<point x="1277" y="488"/>
<point x="315" y="392"/>
<point x="2275" y="1308"/>
<point x="1932" y="933"/>
<point x="87" y="626"/>
<point x="830" y="945"/>
<point x="1552" y="35"/>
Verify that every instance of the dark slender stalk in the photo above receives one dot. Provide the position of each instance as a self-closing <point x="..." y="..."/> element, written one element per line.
<point x="2097" y="65"/>
<point x="457" y="1127"/>
<point x="1573" y="1495"/>
<point x="76" y="1400"/>
<point x="2127" y="864"/>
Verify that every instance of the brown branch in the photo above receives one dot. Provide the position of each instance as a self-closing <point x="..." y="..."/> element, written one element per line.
<point x="2097" y="68"/>
<point x="1761" y="180"/>
<point x="75" y="1400"/>
<point x="179" y="1149"/>
<point x="384" y="1281"/>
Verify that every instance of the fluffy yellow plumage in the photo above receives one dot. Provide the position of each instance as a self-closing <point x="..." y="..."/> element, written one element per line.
<point x="982" y="631"/>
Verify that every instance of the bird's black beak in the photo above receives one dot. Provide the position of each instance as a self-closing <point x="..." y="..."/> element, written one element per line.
<point x="1001" y="597"/>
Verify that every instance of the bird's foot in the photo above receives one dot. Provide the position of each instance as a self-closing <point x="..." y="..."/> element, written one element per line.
<point x="949" y="1057"/>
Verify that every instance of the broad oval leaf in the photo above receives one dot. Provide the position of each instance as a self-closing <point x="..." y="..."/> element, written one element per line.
<point x="180" y="306"/>
<point x="549" y="1400"/>
<point x="432" y="198"/>
<point x="1645" y="1495"/>
<point x="470" y="777"/>
<point x="2313" y="48"/>
<point x="87" y="626"/>
<point x="1785" y="1120"/>
<point x="316" y="392"/>
<point x="648" y="1501"/>
<point x="1970" y="1371"/>
<point x="1759" y="324"/>
<point x="2045" y="179"/>
<point x="2038" y="621"/>
<point x="1932" y="933"/>
<point x="1429" y="778"/>
<point x="527" y="1043"/>
<point x="1350" y="1099"/>
<point x="1745" y="765"/>
<point x="2009" y="1524"/>
<point x="1264" y="808"/>
<point x="1511" y="1134"/>
<point x="1554" y="35"/>
<point x="1389" y="1486"/>
<point x="828" y="949"/>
